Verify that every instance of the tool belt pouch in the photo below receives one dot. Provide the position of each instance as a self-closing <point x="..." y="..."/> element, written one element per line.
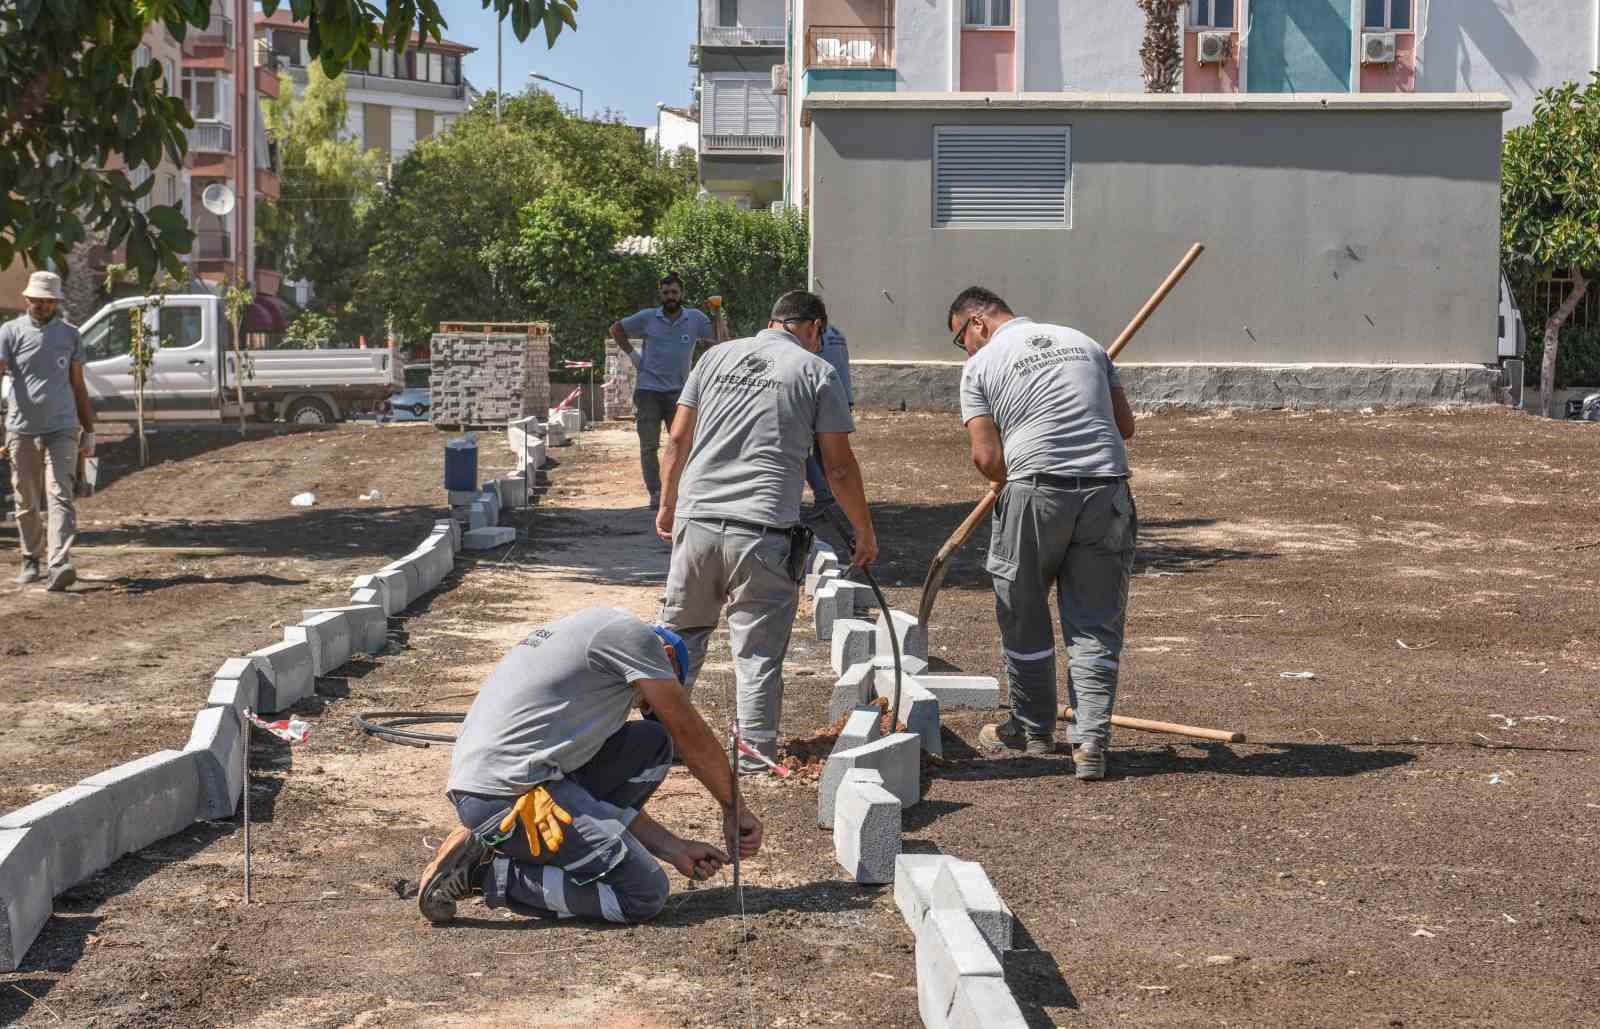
<point x="800" y="539"/>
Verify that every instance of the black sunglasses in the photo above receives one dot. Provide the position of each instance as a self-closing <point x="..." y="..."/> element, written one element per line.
<point x="960" y="340"/>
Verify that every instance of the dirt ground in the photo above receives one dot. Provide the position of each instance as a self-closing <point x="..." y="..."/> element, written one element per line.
<point x="1409" y="837"/>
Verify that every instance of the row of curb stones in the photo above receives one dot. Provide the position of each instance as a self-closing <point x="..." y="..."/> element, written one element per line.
<point x="961" y="924"/>
<point x="55" y="843"/>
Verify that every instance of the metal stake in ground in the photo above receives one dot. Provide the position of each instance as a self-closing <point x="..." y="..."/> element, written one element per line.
<point x="244" y="791"/>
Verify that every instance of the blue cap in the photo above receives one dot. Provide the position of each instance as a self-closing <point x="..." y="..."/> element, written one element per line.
<point x="679" y="648"/>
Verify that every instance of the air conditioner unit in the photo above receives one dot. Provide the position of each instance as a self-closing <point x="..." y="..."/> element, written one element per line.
<point x="1215" y="47"/>
<point x="694" y="55"/>
<point x="780" y="79"/>
<point x="1377" y="48"/>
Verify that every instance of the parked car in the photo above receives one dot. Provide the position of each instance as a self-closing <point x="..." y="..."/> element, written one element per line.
<point x="412" y="403"/>
<point x="192" y="375"/>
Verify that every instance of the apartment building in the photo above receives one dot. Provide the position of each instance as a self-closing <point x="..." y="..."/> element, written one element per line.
<point x="742" y="114"/>
<point x="224" y="79"/>
<point x="400" y="99"/>
<point x="1230" y="46"/>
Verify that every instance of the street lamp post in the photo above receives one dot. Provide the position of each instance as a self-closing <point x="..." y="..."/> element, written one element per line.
<point x="659" y="149"/>
<point x="558" y="82"/>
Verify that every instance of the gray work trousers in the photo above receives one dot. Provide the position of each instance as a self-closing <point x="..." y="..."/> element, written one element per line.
<point x="652" y="410"/>
<point x="44" y="472"/>
<point x="717" y="564"/>
<point x="1082" y="542"/>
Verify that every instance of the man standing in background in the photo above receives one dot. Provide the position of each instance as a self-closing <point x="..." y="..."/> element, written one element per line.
<point x="48" y="424"/>
<point x="669" y="333"/>
<point x="835" y="352"/>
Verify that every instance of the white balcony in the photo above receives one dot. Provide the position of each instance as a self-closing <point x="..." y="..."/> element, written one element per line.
<point x="741" y="35"/>
<point x="741" y="143"/>
<point x="210" y="137"/>
<point x="388" y="84"/>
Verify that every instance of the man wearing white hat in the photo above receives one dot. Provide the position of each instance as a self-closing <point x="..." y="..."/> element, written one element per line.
<point x="50" y="422"/>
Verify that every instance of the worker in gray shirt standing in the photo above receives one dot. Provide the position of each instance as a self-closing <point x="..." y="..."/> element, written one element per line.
<point x="746" y="420"/>
<point x="1046" y="417"/>
<point x="550" y="778"/>
<point x="48" y="424"/>
<point x="669" y="333"/>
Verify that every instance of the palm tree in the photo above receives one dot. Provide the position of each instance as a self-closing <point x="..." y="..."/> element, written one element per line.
<point x="1162" y="52"/>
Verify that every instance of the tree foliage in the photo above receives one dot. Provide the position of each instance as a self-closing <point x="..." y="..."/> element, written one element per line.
<point x="317" y="227"/>
<point x="750" y="258"/>
<point x="1550" y="203"/>
<point x="72" y="100"/>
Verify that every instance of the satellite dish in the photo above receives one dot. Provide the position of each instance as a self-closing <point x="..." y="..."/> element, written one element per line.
<point x="218" y="199"/>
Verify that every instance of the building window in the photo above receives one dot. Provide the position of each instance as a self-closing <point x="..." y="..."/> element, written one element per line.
<point x="141" y="57"/>
<point x="1388" y="15"/>
<point x="452" y="69"/>
<point x="988" y="13"/>
<point x="170" y="77"/>
<point x="205" y="94"/>
<point x="1211" y="14"/>
<point x="744" y="105"/>
<point x="989" y="176"/>
<point x="727" y="13"/>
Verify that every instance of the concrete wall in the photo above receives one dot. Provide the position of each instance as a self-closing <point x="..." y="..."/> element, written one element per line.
<point x="1515" y="47"/>
<point x="924" y="49"/>
<point x="1332" y="237"/>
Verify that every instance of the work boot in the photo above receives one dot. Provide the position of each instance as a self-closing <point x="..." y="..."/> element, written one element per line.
<point x="1009" y="736"/>
<point x="61" y="576"/>
<point x="451" y="877"/>
<point x="1089" y="761"/>
<point x="30" y="572"/>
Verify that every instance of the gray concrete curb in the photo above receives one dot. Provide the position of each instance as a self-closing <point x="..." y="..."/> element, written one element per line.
<point x="59" y="841"/>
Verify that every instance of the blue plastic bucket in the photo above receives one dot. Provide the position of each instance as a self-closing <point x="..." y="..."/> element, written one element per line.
<point x="461" y="464"/>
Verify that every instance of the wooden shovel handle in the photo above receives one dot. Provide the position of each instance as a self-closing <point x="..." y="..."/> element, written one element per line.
<point x="1174" y="728"/>
<point x="1154" y="302"/>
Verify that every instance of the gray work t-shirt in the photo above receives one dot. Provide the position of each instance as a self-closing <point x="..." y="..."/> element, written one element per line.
<point x="39" y="359"/>
<point x="668" y="345"/>
<point x="553" y="701"/>
<point x="758" y="402"/>
<point x="1048" y="388"/>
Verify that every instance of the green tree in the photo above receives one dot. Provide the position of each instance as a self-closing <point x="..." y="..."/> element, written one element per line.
<point x="71" y="99"/>
<point x="318" y="226"/>
<point x="748" y="257"/>
<point x="447" y="226"/>
<point x="309" y="331"/>
<point x="1550" y="204"/>
<point x="574" y="279"/>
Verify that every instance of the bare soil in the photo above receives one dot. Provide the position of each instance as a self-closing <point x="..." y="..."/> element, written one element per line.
<point x="1409" y="837"/>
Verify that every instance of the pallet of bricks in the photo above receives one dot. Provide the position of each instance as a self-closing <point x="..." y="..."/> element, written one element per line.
<point x="621" y="379"/>
<point x="490" y="373"/>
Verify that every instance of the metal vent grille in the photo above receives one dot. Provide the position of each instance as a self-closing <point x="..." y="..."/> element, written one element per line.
<point x="1002" y="176"/>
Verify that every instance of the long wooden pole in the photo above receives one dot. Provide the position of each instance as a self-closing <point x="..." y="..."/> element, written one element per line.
<point x="1172" y="728"/>
<point x="935" y="577"/>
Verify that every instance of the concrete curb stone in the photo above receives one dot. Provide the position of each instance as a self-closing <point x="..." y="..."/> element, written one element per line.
<point x="919" y="709"/>
<point x="897" y="758"/>
<point x="284" y="675"/>
<point x="913" y="636"/>
<point x="215" y="740"/>
<point x="853" y="688"/>
<point x="866" y="827"/>
<point x="984" y="1002"/>
<point x="369" y="627"/>
<point x="489" y="538"/>
<point x="236" y="684"/>
<point x="25" y="893"/>
<point x="328" y="635"/>
<point x="913" y="885"/>
<point x="970" y="691"/>
<point x="852" y="643"/>
<point x="413" y="589"/>
<point x="153" y="797"/>
<point x="77" y="827"/>
<point x="949" y="949"/>
<point x="390" y="586"/>
<point x="965" y="886"/>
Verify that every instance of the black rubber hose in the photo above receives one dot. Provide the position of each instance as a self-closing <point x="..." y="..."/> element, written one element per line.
<point x="884" y="611"/>
<point x="391" y="728"/>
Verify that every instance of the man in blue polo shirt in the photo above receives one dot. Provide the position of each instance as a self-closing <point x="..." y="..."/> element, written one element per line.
<point x="669" y="333"/>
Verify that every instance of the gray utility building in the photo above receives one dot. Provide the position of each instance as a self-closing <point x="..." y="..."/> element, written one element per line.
<point x="1352" y="241"/>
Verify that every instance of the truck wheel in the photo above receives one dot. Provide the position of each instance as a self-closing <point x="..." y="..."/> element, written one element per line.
<point x="309" y="411"/>
<point x="419" y="409"/>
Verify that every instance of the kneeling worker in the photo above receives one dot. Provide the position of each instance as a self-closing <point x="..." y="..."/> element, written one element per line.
<point x="550" y="778"/>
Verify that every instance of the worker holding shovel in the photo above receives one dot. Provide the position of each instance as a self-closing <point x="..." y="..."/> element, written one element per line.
<point x="1046" y="416"/>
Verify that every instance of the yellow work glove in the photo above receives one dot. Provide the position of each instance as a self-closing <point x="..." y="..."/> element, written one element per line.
<point x="541" y="819"/>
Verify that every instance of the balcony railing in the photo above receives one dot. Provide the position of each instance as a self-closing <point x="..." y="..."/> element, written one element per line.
<point x="211" y="245"/>
<point x="743" y="142"/>
<point x="741" y="35"/>
<point x="211" y="137"/>
<point x="850" y="46"/>
<point x="218" y="33"/>
<point x="387" y="84"/>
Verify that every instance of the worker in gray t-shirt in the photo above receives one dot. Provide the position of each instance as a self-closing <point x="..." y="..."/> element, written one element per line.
<point x="550" y="777"/>
<point x="49" y="423"/>
<point x="1046" y="416"/>
<point x="730" y="504"/>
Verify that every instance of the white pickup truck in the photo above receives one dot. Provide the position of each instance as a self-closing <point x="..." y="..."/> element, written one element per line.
<point x="192" y="373"/>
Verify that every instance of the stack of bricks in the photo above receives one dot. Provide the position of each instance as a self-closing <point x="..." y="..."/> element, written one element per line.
<point x="490" y="377"/>
<point x="621" y="378"/>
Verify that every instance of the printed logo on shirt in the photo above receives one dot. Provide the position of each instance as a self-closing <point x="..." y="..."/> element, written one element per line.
<point x="746" y="376"/>
<point x="538" y="637"/>
<point x="1041" y="342"/>
<point x="61" y="362"/>
<point x="1048" y="355"/>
